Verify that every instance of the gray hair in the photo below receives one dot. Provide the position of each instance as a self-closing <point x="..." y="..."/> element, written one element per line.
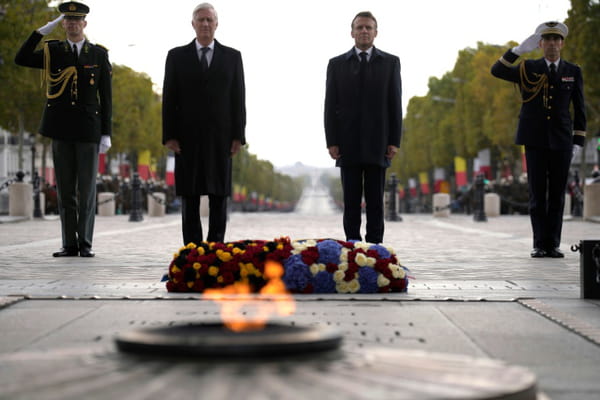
<point x="205" y="6"/>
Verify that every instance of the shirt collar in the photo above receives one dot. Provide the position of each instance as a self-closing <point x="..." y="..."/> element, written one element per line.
<point x="78" y="44"/>
<point x="199" y="46"/>
<point x="369" y="51"/>
<point x="548" y="62"/>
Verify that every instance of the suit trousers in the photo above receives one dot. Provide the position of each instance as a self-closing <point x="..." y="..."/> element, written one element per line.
<point x="190" y="219"/>
<point x="370" y="181"/>
<point x="75" y="168"/>
<point x="547" y="175"/>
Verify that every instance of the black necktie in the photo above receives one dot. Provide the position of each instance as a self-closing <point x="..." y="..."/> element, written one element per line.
<point x="75" y="51"/>
<point x="552" y="72"/>
<point x="363" y="66"/>
<point x="203" y="59"/>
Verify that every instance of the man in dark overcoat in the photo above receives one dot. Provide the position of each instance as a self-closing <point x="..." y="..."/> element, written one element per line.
<point x="551" y="136"/>
<point x="77" y="117"/>
<point x="363" y="124"/>
<point x="204" y="119"/>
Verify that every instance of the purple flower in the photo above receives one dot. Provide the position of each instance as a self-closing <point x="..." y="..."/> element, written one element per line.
<point x="329" y="251"/>
<point x="367" y="277"/>
<point x="324" y="282"/>
<point x="382" y="251"/>
<point x="297" y="274"/>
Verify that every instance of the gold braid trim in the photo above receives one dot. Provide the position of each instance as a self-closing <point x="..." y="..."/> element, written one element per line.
<point x="61" y="78"/>
<point x="535" y="88"/>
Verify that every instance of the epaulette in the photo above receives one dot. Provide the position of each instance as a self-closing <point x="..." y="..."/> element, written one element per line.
<point x="51" y="41"/>
<point x="102" y="47"/>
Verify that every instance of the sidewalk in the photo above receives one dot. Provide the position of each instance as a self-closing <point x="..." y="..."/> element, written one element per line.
<point x="476" y="293"/>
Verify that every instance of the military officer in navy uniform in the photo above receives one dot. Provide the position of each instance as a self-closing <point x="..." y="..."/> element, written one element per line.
<point x="550" y="134"/>
<point x="77" y="117"/>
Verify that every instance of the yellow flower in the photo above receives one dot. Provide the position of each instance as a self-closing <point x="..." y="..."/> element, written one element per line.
<point x="213" y="271"/>
<point x="224" y="255"/>
<point x="196" y="266"/>
<point x="175" y="269"/>
<point x="191" y="245"/>
<point x="371" y="261"/>
<point x="280" y="246"/>
<point x="237" y="250"/>
<point x="220" y="279"/>
<point x="190" y="284"/>
<point x="200" y="250"/>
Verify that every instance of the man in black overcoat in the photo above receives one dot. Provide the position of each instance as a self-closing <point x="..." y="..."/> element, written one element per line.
<point x="551" y="136"/>
<point x="363" y="124"/>
<point x="204" y="119"/>
<point x="77" y="117"/>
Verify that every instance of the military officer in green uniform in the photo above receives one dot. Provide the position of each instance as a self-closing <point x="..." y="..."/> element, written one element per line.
<point x="77" y="117"/>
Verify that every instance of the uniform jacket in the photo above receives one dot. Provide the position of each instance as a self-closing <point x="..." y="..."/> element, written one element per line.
<point x="545" y="121"/>
<point x="82" y="113"/>
<point x="205" y="112"/>
<point x="363" y="123"/>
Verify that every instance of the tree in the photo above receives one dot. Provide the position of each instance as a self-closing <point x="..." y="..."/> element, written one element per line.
<point x="22" y="96"/>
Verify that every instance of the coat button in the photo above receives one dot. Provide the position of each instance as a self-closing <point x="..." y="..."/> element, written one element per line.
<point x="72" y="103"/>
<point x="548" y="117"/>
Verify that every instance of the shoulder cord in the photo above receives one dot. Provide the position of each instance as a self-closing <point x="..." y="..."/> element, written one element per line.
<point x="61" y="78"/>
<point x="528" y="86"/>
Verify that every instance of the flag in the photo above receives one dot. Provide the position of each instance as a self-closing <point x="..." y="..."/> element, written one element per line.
<point x="460" y="171"/>
<point x="144" y="164"/>
<point x="424" y="180"/>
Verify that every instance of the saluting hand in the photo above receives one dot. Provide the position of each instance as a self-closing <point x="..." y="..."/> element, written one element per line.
<point x="528" y="45"/>
<point x="49" y="27"/>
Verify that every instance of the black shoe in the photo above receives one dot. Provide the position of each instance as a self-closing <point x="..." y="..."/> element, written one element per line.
<point x="66" y="252"/>
<point x="86" y="252"/>
<point x="538" y="253"/>
<point x="555" y="253"/>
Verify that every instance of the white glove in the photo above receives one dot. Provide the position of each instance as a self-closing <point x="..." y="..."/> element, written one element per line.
<point x="49" y="27"/>
<point x="104" y="144"/>
<point x="529" y="44"/>
<point x="576" y="150"/>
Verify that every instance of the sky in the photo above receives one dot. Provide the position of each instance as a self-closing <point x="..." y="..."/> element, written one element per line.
<point x="286" y="46"/>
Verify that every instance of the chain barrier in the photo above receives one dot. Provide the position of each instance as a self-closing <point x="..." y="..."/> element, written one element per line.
<point x="116" y="195"/>
<point x="158" y="199"/>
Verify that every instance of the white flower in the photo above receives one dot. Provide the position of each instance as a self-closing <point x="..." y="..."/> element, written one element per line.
<point x="362" y="245"/>
<point x="343" y="266"/>
<point x="397" y="271"/>
<point x="353" y="286"/>
<point x="338" y="276"/>
<point x="371" y="261"/>
<point x="314" y="269"/>
<point x="361" y="259"/>
<point x="342" y="287"/>
<point x="322" y="267"/>
<point x="344" y="254"/>
<point x="382" y="281"/>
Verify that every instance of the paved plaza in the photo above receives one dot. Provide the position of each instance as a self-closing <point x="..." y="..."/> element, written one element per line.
<point x="474" y="292"/>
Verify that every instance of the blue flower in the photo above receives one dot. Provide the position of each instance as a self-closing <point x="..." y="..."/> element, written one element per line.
<point x="382" y="251"/>
<point x="329" y="251"/>
<point x="367" y="277"/>
<point x="297" y="274"/>
<point x="324" y="282"/>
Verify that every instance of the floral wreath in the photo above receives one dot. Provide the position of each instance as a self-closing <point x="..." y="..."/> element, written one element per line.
<point x="310" y="266"/>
